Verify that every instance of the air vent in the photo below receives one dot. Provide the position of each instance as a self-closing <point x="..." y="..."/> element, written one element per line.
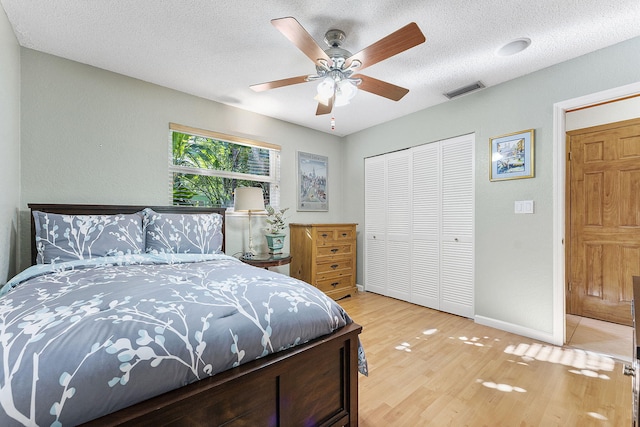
<point x="466" y="89"/>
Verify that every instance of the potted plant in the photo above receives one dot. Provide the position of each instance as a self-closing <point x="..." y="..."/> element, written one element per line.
<point x="275" y="226"/>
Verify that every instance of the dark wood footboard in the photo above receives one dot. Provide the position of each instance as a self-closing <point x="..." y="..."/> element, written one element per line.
<point x="315" y="384"/>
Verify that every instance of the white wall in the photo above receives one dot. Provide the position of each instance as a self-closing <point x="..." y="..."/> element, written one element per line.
<point x="9" y="147"/>
<point x="92" y="136"/>
<point x="514" y="253"/>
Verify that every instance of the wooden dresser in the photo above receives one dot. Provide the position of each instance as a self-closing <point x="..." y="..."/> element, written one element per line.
<point x="324" y="255"/>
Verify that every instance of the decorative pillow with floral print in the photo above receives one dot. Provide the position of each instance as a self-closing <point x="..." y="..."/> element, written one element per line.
<point x="61" y="238"/>
<point x="182" y="233"/>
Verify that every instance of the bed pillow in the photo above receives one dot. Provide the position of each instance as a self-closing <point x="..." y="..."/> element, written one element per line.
<point x="178" y="233"/>
<point x="62" y="238"/>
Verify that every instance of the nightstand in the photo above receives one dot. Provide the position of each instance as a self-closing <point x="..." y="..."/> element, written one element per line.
<point x="267" y="260"/>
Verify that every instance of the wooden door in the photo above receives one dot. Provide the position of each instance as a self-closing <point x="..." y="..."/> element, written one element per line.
<point x="603" y="251"/>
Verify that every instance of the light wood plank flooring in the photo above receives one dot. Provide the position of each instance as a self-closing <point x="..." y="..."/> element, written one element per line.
<point x="428" y="368"/>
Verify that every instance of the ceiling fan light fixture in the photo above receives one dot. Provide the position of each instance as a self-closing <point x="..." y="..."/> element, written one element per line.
<point x="346" y="90"/>
<point x="326" y="87"/>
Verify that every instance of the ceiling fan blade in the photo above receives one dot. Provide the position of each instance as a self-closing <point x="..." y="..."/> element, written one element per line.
<point x="279" y="83"/>
<point x="396" y="42"/>
<point x="381" y="88"/>
<point x="292" y="30"/>
<point x="325" y="109"/>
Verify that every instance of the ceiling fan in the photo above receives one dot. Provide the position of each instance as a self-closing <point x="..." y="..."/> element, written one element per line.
<point x="337" y="70"/>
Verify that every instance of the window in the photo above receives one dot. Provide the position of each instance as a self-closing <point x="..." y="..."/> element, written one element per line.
<point x="206" y="167"/>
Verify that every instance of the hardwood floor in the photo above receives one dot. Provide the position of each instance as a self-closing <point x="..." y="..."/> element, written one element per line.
<point x="428" y="368"/>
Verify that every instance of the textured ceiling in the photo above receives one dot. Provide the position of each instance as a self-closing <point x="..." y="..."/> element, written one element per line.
<point x="217" y="49"/>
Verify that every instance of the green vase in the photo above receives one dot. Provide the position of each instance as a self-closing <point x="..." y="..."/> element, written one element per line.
<point x="275" y="242"/>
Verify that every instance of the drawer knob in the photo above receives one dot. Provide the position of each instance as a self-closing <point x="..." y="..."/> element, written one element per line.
<point x="334" y="266"/>
<point x="344" y="234"/>
<point x="325" y="235"/>
<point x="334" y="284"/>
<point x="334" y="250"/>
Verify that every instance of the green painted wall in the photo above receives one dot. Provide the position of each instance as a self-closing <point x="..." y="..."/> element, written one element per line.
<point x="9" y="147"/>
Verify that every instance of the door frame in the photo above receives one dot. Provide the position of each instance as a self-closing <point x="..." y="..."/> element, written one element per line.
<point x="559" y="186"/>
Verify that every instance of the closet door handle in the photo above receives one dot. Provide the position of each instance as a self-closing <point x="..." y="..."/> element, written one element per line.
<point x="455" y="240"/>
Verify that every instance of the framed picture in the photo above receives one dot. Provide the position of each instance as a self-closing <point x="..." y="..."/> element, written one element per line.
<point x="512" y="156"/>
<point x="313" y="188"/>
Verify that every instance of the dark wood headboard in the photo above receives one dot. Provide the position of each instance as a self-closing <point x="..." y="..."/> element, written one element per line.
<point x="112" y="210"/>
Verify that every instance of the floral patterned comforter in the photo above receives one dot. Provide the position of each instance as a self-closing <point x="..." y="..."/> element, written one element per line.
<point x="82" y="339"/>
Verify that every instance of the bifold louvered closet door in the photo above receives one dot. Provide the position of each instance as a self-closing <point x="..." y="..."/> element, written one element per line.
<point x="419" y="225"/>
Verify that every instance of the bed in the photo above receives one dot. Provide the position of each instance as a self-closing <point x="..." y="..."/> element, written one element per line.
<point x="133" y="315"/>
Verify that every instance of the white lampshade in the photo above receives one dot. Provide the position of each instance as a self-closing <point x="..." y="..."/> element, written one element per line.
<point x="326" y="87"/>
<point x="248" y="199"/>
<point x="345" y="91"/>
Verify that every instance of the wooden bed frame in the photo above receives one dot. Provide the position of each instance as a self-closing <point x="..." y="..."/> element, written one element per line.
<point x="311" y="384"/>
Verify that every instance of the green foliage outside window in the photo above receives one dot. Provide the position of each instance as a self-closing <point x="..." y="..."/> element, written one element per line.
<point x="206" y="171"/>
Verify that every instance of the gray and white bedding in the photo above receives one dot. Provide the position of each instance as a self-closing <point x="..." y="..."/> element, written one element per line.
<point x="86" y="337"/>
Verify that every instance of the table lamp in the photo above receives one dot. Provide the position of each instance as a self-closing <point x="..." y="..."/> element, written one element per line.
<point x="248" y="199"/>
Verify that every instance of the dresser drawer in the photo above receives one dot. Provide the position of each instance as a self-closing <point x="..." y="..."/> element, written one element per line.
<point x="337" y="235"/>
<point x="334" y="268"/>
<point x="334" y="283"/>
<point x="334" y="251"/>
<point x="343" y="234"/>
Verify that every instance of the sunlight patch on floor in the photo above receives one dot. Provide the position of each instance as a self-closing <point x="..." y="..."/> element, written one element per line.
<point x="501" y="387"/>
<point x="474" y="340"/>
<point x="597" y="416"/>
<point x="405" y="346"/>
<point x="586" y="363"/>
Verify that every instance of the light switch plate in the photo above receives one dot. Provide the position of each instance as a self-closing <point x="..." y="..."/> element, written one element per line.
<point x="518" y="207"/>
<point x="523" y="206"/>
<point x="527" y="206"/>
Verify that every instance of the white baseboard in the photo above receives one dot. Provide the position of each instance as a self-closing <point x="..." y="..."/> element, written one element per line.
<point x="360" y="288"/>
<point x="517" y="329"/>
